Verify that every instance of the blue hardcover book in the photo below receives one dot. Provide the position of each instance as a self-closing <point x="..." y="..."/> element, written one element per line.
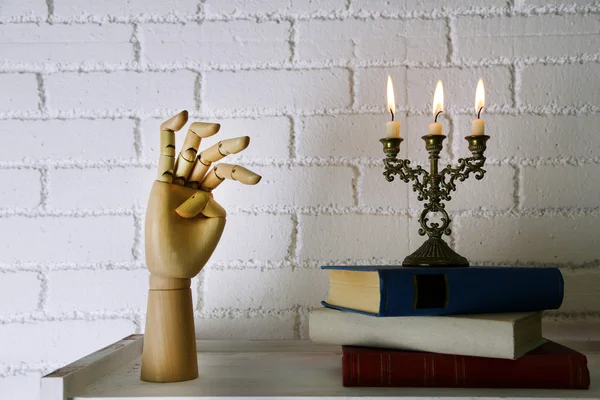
<point x="386" y="291"/>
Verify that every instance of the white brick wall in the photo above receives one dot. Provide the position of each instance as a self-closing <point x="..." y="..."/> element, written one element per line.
<point x="526" y="36"/>
<point x="22" y="188"/>
<point x="575" y="189"/>
<point x="559" y="85"/>
<point x="26" y="10"/>
<point x="98" y="90"/>
<point x="279" y="289"/>
<point x="278" y="89"/>
<point x="336" y="238"/>
<point x="97" y="290"/>
<point x="422" y="7"/>
<point x="537" y="139"/>
<point x="274" y="6"/>
<point x="23" y="89"/>
<point x="85" y="85"/>
<point x="114" y="9"/>
<point x="109" y="43"/>
<point x="129" y="187"/>
<point x="216" y="42"/>
<point x="25" y="299"/>
<point x="548" y="238"/>
<point x="338" y="136"/>
<point x="414" y="40"/>
<point x="88" y="140"/>
<point x="64" y="239"/>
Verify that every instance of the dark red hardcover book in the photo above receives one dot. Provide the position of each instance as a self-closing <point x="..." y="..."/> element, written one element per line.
<point x="550" y="366"/>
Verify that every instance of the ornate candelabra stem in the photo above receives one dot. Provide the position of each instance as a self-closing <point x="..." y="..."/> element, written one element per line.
<point x="433" y="187"/>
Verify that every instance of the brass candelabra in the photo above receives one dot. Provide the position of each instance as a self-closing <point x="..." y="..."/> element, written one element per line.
<point x="433" y="188"/>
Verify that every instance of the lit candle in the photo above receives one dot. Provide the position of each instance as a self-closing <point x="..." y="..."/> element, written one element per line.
<point x="478" y="125"/>
<point x="435" y="128"/>
<point x="392" y="128"/>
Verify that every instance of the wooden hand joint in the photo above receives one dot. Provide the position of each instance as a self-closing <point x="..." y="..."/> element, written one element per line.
<point x="168" y="283"/>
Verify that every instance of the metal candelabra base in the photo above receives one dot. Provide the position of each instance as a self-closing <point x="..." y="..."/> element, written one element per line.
<point x="435" y="252"/>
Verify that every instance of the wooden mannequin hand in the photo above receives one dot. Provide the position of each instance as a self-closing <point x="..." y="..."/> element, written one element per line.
<point x="178" y="247"/>
<point x="183" y="221"/>
<point x="183" y="226"/>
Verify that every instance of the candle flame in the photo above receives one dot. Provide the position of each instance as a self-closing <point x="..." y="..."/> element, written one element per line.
<point x="391" y="102"/>
<point x="438" y="99"/>
<point x="479" y="96"/>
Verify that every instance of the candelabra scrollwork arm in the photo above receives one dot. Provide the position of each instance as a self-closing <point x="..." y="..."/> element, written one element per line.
<point x="402" y="168"/>
<point x="466" y="167"/>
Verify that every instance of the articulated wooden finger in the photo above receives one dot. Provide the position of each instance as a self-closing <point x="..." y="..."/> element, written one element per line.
<point x="224" y="148"/>
<point x="167" y="143"/>
<point x="165" y="168"/>
<point x="200" y="203"/>
<point x="193" y="205"/>
<point x="205" y="129"/>
<point x="237" y="173"/>
<point x="233" y="145"/>
<point x="166" y="160"/>
<point x="187" y="157"/>
<point x="175" y="123"/>
<point x="214" y="210"/>
<point x="197" y="174"/>
<point x="211" y="181"/>
<point x="190" y="145"/>
<point x="228" y="171"/>
<point x="215" y="153"/>
<point x="183" y="168"/>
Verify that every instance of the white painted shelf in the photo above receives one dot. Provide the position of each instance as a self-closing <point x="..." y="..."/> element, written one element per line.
<point x="235" y="369"/>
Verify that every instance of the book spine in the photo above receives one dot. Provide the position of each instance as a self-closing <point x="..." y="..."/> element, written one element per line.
<point x="386" y="369"/>
<point x="473" y="291"/>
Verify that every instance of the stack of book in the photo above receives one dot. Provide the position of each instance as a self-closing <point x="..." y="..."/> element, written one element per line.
<point x="476" y="327"/>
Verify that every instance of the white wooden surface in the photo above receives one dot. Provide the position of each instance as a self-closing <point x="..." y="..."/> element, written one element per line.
<point x="259" y="369"/>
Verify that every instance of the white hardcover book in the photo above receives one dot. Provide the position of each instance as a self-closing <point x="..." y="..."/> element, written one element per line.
<point x="507" y="336"/>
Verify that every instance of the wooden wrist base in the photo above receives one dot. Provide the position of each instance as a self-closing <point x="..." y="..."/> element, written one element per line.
<point x="169" y="353"/>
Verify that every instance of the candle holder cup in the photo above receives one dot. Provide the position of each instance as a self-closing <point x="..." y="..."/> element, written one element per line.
<point x="434" y="187"/>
